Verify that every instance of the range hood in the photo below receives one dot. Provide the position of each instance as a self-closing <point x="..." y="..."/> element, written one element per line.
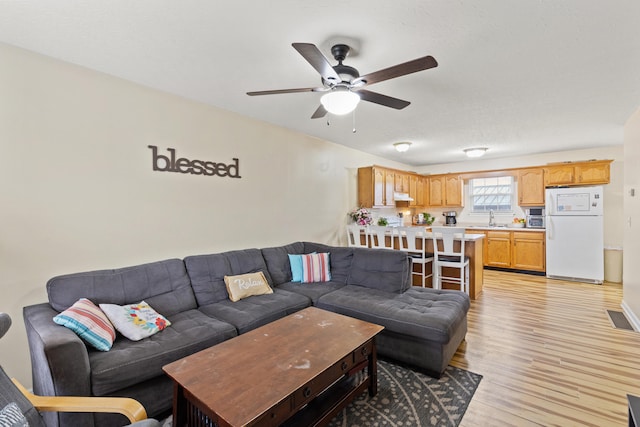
<point x="402" y="197"/>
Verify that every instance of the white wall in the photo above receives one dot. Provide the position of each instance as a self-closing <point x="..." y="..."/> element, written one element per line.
<point x="78" y="191"/>
<point x="631" y="272"/>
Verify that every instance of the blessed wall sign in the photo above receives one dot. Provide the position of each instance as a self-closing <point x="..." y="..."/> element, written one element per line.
<point x="173" y="163"/>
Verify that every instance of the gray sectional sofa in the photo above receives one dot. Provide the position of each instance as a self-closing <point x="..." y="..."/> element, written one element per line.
<point x="423" y="327"/>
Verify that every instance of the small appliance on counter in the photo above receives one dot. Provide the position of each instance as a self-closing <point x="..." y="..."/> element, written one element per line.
<point x="535" y="217"/>
<point x="449" y="218"/>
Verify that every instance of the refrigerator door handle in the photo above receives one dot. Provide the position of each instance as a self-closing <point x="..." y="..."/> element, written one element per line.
<point x="549" y="227"/>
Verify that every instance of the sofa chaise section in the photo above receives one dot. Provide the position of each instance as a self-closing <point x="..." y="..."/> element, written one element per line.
<point x="423" y="327"/>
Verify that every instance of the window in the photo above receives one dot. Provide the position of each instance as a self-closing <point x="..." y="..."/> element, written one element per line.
<point x="491" y="194"/>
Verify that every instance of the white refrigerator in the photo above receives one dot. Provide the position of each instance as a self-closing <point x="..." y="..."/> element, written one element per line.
<point x="574" y="234"/>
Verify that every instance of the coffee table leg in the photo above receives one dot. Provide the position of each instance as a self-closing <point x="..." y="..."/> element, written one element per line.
<point x="179" y="406"/>
<point x="373" y="371"/>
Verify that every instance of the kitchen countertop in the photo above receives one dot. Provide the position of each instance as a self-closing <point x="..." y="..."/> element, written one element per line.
<point x="501" y="228"/>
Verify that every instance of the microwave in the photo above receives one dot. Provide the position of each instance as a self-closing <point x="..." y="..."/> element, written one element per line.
<point x="535" y="218"/>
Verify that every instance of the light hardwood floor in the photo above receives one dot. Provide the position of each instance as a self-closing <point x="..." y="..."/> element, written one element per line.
<point x="548" y="354"/>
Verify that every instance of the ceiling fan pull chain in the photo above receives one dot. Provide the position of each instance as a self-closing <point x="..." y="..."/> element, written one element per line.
<point x="354" y="121"/>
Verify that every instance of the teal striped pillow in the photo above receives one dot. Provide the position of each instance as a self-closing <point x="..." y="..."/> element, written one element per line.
<point x="89" y="322"/>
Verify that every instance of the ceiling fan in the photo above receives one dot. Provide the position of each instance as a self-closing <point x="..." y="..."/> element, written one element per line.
<point x="344" y="84"/>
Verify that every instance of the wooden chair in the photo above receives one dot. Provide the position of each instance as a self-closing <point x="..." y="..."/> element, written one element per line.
<point x="378" y="237"/>
<point x="30" y="405"/>
<point x="407" y="237"/>
<point x="354" y="234"/>
<point x="445" y="256"/>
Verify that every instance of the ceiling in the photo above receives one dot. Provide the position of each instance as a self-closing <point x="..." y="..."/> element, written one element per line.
<point x="518" y="77"/>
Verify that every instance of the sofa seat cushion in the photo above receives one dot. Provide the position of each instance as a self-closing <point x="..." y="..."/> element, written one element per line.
<point x="427" y="314"/>
<point x="255" y="311"/>
<point x="313" y="291"/>
<point x="131" y="362"/>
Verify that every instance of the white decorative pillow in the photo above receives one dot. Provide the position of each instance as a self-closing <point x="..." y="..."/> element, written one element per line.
<point x="89" y="322"/>
<point x="11" y="416"/>
<point x="246" y="285"/>
<point x="135" y="321"/>
<point x="315" y="268"/>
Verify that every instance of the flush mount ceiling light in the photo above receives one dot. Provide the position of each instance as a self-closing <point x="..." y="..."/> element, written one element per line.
<point x="475" y="152"/>
<point x="402" y="146"/>
<point x="340" y="101"/>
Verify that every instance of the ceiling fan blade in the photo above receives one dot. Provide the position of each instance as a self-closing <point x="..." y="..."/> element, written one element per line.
<point x="317" y="60"/>
<point x="399" y="70"/>
<point x="278" y="91"/>
<point x="378" y="98"/>
<point x="319" y="113"/>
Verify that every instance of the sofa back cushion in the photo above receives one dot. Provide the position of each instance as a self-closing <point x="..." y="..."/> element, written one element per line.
<point x="385" y="270"/>
<point x="277" y="261"/>
<point x="164" y="285"/>
<point x="207" y="272"/>
<point x="340" y="259"/>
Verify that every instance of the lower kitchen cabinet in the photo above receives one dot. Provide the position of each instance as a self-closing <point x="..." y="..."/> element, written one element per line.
<point x="498" y="249"/>
<point x="516" y="250"/>
<point x="528" y="251"/>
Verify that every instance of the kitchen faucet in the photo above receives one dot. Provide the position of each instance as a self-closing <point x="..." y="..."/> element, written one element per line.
<point x="492" y="219"/>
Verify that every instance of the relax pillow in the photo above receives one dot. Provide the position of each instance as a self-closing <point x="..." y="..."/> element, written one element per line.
<point x="315" y="267"/>
<point x="89" y="322"/>
<point x="135" y="321"/>
<point x="246" y="285"/>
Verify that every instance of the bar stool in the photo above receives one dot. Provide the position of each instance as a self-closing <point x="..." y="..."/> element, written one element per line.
<point x="445" y="256"/>
<point x="418" y="256"/>
<point x="354" y="233"/>
<point x="378" y="237"/>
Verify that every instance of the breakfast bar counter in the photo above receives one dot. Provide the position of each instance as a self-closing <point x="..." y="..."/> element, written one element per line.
<point x="473" y="247"/>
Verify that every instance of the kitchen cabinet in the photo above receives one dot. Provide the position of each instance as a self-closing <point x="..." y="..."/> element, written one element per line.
<point x="445" y="191"/>
<point x="516" y="250"/>
<point x="453" y="190"/>
<point x="416" y="190"/>
<point x="593" y="173"/>
<point x="531" y="187"/>
<point x="498" y="249"/>
<point x="580" y="173"/>
<point x="436" y="191"/>
<point x="375" y="187"/>
<point x="401" y="182"/>
<point x="528" y="251"/>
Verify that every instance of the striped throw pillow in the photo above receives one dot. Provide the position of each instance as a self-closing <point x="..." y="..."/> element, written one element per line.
<point x="315" y="268"/>
<point x="89" y="322"/>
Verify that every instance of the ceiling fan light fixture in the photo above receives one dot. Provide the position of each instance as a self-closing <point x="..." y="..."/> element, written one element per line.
<point x="475" y="152"/>
<point x="340" y="101"/>
<point x="402" y="147"/>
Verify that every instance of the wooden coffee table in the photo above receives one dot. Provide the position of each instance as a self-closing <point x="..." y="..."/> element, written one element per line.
<point x="301" y="369"/>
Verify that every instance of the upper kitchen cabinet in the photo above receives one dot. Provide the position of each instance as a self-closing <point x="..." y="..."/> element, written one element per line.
<point x="375" y="187"/>
<point x="401" y="182"/>
<point x="582" y="173"/>
<point x="454" y="188"/>
<point x="445" y="190"/>
<point x="593" y="172"/>
<point x="531" y="187"/>
<point x="416" y="190"/>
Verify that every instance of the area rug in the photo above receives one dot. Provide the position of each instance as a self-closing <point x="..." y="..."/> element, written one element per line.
<point x="410" y="398"/>
<point x="407" y="398"/>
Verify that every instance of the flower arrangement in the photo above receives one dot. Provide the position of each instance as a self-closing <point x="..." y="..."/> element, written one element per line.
<point x="361" y="216"/>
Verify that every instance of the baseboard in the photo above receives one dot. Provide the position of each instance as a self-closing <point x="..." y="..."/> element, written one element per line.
<point x="631" y="317"/>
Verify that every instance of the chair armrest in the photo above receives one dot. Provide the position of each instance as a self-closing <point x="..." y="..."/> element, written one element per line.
<point x="130" y="408"/>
